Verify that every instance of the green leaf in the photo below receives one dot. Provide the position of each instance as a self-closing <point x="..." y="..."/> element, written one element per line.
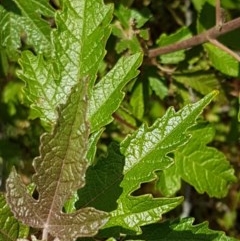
<point x="75" y="54"/>
<point x="169" y="181"/>
<point x="203" y="82"/>
<point x="60" y="172"/>
<point x="222" y="61"/>
<point x="180" y="230"/>
<point x="102" y="182"/>
<point x="107" y="94"/>
<point x="92" y="145"/>
<point x="10" y="227"/>
<point x="158" y="86"/>
<point x="9" y="34"/>
<point x="124" y="28"/>
<point x="145" y="152"/>
<point x="205" y="168"/>
<point x="37" y="29"/>
<point x="175" y="57"/>
<point x="137" y="101"/>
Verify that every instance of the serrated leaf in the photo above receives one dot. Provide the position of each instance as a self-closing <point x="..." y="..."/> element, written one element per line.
<point x="9" y="34"/>
<point x="180" y="230"/>
<point x="102" y="182"/>
<point x="145" y="152"/>
<point x="203" y="82"/>
<point x="92" y="145"/>
<point x="158" y="86"/>
<point x="205" y="168"/>
<point x="10" y="227"/>
<point x="222" y="61"/>
<point x="107" y="94"/>
<point x="75" y="54"/>
<point x="60" y="171"/>
<point x="32" y="23"/>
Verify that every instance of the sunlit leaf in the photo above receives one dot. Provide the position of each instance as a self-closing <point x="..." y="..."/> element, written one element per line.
<point x="75" y="53"/>
<point x="10" y="227"/>
<point x="205" y="168"/>
<point x="145" y="152"/>
<point x="33" y="24"/>
<point x="107" y="94"/>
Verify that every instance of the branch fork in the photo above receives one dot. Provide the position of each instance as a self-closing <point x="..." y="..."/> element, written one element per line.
<point x="221" y="27"/>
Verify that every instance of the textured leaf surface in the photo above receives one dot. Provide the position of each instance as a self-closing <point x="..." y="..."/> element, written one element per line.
<point x="203" y="82"/>
<point x="75" y="54"/>
<point x="60" y="171"/>
<point x="36" y="28"/>
<point x="107" y="94"/>
<point x="10" y="228"/>
<point x="180" y="230"/>
<point x="9" y="34"/>
<point x="203" y="167"/>
<point x="222" y="61"/>
<point x="145" y="152"/>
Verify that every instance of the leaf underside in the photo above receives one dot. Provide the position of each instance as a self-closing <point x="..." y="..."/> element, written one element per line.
<point x="60" y="171"/>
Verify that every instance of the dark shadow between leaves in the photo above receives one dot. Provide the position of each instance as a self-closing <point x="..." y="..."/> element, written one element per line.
<point x="102" y="188"/>
<point x="177" y="230"/>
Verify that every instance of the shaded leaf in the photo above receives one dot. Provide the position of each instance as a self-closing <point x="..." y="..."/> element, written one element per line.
<point x="158" y="86"/>
<point x="137" y="101"/>
<point x="102" y="182"/>
<point x="180" y="230"/>
<point x="203" y="82"/>
<point x="145" y="152"/>
<point x="60" y="171"/>
<point x="169" y="181"/>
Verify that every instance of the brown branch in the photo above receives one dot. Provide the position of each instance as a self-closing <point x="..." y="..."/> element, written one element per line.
<point x="212" y="33"/>
<point x="219" y="18"/>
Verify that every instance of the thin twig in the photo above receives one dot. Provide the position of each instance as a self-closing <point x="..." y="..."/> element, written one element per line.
<point x="219" y="19"/>
<point x="212" y="33"/>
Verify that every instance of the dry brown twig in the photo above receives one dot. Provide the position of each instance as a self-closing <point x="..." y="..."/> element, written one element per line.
<point x="209" y="35"/>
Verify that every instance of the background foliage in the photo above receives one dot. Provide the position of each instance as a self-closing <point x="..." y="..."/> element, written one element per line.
<point x="174" y="79"/>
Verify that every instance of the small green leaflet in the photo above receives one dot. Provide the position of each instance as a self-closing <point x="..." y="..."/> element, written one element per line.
<point x="145" y="153"/>
<point x="10" y="227"/>
<point x="60" y="172"/>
